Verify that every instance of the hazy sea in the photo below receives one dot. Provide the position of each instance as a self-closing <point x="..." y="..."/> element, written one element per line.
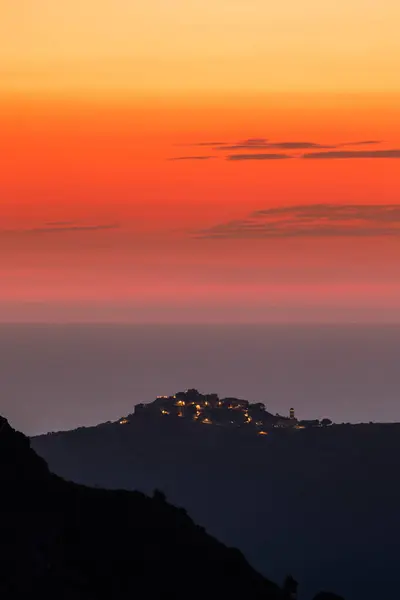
<point x="62" y="376"/>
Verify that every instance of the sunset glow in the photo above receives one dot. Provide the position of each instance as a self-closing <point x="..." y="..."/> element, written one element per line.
<point x="143" y="143"/>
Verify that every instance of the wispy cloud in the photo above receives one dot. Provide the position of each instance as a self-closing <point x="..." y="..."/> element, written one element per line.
<point x="261" y="156"/>
<point x="256" y="145"/>
<point x="275" y="145"/>
<point x="362" y="143"/>
<point x="260" y="143"/>
<point x="318" y="220"/>
<point x="353" y="154"/>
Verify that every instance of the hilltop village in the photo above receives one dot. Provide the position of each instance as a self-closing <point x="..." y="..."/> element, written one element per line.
<point x="209" y="409"/>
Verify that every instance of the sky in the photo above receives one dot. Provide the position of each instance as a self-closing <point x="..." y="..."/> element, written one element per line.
<point x="199" y="161"/>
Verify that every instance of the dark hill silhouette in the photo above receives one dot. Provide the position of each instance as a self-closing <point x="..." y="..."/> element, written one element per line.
<point x="66" y="541"/>
<point x="321" y="503"/>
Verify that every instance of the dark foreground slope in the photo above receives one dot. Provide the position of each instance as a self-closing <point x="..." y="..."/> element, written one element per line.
<point x="322" y="504"/>
<point x="65" y="541"/>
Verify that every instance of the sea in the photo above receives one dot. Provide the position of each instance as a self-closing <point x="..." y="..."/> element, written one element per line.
<point x="58" y="377"/>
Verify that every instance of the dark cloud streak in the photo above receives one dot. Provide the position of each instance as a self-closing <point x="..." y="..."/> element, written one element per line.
<point x="362" y="143"/>
<point x="319" y="220"/>
<point x="353" y="154"/>
<point x="255" y="146"/>
<point x="240" y="157"/>
<point x="276" y="146"/>
<point x="259" y="143"/>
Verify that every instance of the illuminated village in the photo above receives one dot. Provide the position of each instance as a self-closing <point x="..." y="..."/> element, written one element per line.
<point x="209" y="409"/>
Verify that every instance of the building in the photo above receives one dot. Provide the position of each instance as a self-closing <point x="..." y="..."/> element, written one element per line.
<point x="226" y="412"/>
<point x="235" y="403"/>
<point x="310" y="423"/>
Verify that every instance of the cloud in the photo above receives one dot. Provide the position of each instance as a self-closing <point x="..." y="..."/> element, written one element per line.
<point x="249" y="143"/>
<point x="260" y="143"/>
<point x="353" y="154"/>
<point x="362" y="143"/>
<point x="336" y="154"/>
<point x="191" y="158"/>
<point x="59" y="227"/>
<point x="317" y="220"/>
<point x="276" y="146"/>
<point x="253" y="141"/>
<point x="268" y="156"/>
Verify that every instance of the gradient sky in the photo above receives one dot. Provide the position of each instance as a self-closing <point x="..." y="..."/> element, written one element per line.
<point x="190" y="160"/>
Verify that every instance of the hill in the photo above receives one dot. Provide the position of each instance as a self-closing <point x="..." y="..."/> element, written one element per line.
<point x="210" y="409"/>
<point x="321" y="503"/>
<point x="66" y="541"/>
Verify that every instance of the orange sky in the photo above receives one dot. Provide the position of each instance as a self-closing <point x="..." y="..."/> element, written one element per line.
<point x="98" y="223"/>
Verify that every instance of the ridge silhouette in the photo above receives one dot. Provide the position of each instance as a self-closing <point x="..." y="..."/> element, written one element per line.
<point x="321" y="503"/>
<point x="64" y="540"/>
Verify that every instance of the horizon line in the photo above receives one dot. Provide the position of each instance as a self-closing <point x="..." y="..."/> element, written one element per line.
<point x="200" y="323"/>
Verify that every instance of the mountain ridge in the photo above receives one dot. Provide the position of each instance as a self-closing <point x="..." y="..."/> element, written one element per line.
<point x="73" y="541"/>
<point x="321" y="503"/>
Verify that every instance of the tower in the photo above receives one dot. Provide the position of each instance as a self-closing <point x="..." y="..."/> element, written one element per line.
<point x="291" y="413"/>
